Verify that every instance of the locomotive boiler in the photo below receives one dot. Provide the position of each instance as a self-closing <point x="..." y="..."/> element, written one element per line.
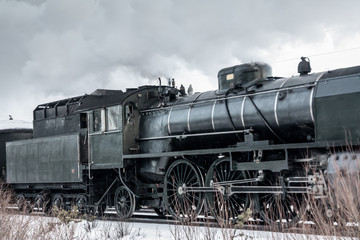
<point x="303" y="109"/>
<point x="243" y="145"/>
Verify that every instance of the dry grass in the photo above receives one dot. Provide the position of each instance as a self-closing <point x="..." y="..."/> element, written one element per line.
<point x="188" y="227"/>
<point x="339" y="213"/>
<point x="66" y="225"/>
<point x="16" y="225"/>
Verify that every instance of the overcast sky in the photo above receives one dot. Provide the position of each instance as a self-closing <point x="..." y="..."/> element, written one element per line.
<point x="57" y="49"/>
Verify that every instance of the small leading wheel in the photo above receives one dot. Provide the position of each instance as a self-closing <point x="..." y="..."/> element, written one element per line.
<point x="223" y="204"/>
<point x="124" y="201"/>
<point x="179" y="178"/>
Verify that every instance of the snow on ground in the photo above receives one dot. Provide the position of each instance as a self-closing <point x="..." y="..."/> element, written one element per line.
<point x="150" y="231"/>
<point x="39" y="227"/>
<point x="52" y="228"/>
<point x="15" y="124"/>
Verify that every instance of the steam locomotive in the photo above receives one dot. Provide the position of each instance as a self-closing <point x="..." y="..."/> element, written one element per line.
<point x="254" y="141"/>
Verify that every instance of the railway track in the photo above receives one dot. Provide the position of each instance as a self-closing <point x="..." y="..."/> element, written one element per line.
<point x="149" y="216"/>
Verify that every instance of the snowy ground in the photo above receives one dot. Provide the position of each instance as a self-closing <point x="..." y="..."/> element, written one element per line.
<point x="149" y="231"/>
<point x="38" y="227"/>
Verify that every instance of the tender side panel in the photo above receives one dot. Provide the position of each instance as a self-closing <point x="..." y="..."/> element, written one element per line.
<point x="43" y="160"/>
<point x="337" y="108"/>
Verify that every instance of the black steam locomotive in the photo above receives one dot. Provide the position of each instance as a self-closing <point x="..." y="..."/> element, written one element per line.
<point x="243" y="145"/>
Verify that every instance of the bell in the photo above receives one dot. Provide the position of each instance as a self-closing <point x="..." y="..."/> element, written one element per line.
<point x="304" y="66"/>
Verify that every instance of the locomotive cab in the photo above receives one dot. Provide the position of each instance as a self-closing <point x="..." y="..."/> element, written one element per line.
<point x="243" y="76"/>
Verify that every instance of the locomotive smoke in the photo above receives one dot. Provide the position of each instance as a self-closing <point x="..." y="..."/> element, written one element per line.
<point x="56" y="49"/>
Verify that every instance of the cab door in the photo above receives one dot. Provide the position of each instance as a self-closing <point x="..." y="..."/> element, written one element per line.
<point x="105" y="137"/>
<point x="131" y="128"/>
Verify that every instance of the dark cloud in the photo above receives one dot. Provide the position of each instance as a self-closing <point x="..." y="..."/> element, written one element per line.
<point x="54" y="49"/>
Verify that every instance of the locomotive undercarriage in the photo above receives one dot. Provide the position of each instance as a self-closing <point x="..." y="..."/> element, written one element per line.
<point x="87" y="197"/>
<point x="262" y="179"/>
<point x="223" y="184"/>
<point x="262" y="191"/>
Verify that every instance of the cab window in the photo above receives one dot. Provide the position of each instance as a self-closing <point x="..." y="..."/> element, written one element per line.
<point x="113" y="115"/>
<point x="98" y="121"/>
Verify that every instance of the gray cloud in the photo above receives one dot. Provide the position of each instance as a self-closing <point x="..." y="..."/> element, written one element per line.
<point x="54" y="49"/>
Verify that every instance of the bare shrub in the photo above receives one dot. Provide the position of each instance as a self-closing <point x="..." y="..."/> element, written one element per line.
<point x="5" y="198"/>
<point x="15" y="224"/>
<point x="185" y="225"/>
<point x="65" y="225"/>
<point x="15" y="227"/>
<point x="123" y="229"/>
<point x="11" y="226"/>
<point x="72" y="215"/>
<point x="339" y="213"/>
<point x="119" y="230"/>
<point x="226" y="228"/>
